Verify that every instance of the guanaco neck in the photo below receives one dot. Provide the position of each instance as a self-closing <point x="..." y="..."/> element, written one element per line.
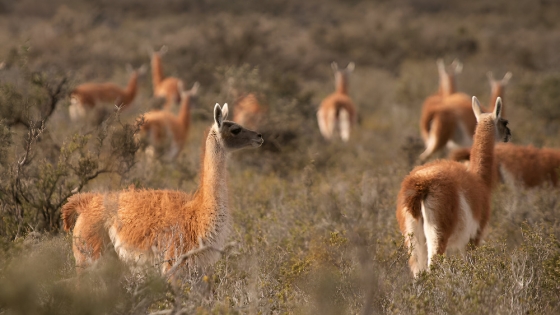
<point x="185" y="112"/>
<point x="212" y="196"/>
<point x="130" y="91"/>
<point x="482" y="153"/>
<point x="341" y="83"/>
<point x="157" y="70"/>
<point x="447" y="85"/>
<point x="497" y="91"/>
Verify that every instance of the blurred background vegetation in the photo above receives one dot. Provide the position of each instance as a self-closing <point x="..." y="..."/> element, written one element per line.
<point x="314" y="222"/>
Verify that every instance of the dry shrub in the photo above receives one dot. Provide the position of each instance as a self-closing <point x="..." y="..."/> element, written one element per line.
<point x="314" y="221"/>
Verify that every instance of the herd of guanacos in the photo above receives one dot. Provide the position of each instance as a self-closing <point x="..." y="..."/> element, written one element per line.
<point x="442" y="205"/>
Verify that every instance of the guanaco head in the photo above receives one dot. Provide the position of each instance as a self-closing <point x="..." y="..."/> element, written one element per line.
<point x="447" y="83"/>
<point x="498" y="86"/>
<point x="192" y="92"/>
<point x="137" y="72"/>
<point x="162" y="51"/>
<point x="188" y="95"/>
<point x="341" y="76"/>
<point x="501" y="130"/>
<point x="503" y="82"/>
<point x="233" y="136"/>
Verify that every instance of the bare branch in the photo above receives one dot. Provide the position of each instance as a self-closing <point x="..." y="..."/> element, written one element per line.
<point x="201" y="248"/>
<point x="55" y="95"/>
<point x="32" y="135"/>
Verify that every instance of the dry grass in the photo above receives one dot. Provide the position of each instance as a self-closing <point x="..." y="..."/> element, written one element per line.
<point x="314" y="223"/>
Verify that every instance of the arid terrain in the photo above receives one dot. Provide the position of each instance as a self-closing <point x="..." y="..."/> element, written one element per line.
<point x="314" y="228"/>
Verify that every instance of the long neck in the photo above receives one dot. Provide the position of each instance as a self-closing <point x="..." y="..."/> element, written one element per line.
<point x="131" y="88"/>
<point x="341" y="82"/>
<point x="447" y="85"/>
<point x="185" y="112"/>
<point x="157" y="70"/>
<point x="497" y="91"/>
<point x="482" y="153"/>
<point x="213" y="185"/>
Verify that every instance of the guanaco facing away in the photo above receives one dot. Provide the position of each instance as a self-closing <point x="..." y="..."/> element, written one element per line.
<point x="88" y="96"/>
<point x="247" y="111"/>
<point x="337" y="112"/>
<point x="518" y="165"/>
<point x="443" y="205"/>
<point x="158" y="226"/>
<point x="168" y="88"/>
<point x="447" y="86"/>
<point x="164" y="129"/>
<point x="452" y="123"/>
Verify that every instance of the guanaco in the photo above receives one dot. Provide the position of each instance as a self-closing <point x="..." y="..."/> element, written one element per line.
<point x="166" y="87"/>
<point x="88" y="96"/>
<point x="337" y="111"/>
<point x="443" y="205"/>
<point x="452" y="124"/>
<point x="164" y="128"/>
<point x="447" y="86"/>
<point x="518" y="165"/>
<point x="247" y="111"/>
<point x="158" y="226"/>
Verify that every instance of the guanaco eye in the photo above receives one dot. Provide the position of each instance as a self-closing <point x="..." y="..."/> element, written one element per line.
<point x="236" y="130"/>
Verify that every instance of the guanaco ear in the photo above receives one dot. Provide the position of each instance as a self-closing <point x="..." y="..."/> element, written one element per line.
<point x="476" y="108"/>
<point x="218" y="115"/>
<point x="195" y="87"/>
<point x="181" y="88"/>
<point x="497" y="109"/>
<point x="457" y="66"/>
<point x="334" y="66"/>
<point x="441" y="67"/>
<point x="143" y="68"/>
<point x="163" y="50"/>
<point x="350" y="67"/>
<point x="490" y="76"/>
<point x="225" y="111"/>
<point x="506" y="78"/>
<point x="129" y="67"/>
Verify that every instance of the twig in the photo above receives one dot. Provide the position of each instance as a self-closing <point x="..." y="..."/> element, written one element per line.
<point x="192" y="252"/>
<point x="32" y="136"/>
<point x="54" y="96"/>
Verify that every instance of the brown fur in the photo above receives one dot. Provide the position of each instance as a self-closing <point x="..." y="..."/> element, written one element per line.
<point x="156" y="226"/>
<point x="330" y="111"/>
<point x="497" y="89"/>
<point x="169" y="87"/>
<point x="164" y="125"/>
<point x="447" y="86"/>
<point x="525" y="165"/>
<point x="451" y="122"/>
<point x="89" y="94"/>
<point x="454" y="118"/>
<point x="462" y="154"/>
<point x="247" y="111"/>
<point x="440" y="185"/>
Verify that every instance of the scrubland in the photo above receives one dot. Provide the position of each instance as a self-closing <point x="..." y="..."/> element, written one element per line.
<point x="314" y="228"/>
